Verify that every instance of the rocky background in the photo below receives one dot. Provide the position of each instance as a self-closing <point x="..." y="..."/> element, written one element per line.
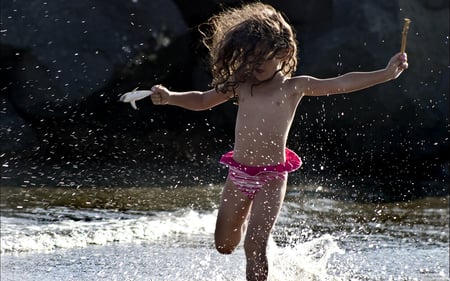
<point x="64" y="65"/>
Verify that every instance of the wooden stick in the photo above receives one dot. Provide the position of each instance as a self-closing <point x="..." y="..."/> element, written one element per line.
<point x="405" y="34"/>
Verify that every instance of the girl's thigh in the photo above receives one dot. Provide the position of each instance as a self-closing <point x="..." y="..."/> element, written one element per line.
<point x="233" y="211"/>
<point x="265" y="210"/>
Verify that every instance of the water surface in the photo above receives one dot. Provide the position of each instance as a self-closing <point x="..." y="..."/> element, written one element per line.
<point x="167" y="234"/>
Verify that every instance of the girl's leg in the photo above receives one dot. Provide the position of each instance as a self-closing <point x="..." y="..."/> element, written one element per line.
<point x="233" y="211"/>
<point x="264" y="212"/>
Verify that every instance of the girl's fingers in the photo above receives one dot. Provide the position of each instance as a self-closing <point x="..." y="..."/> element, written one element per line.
<point x="157" y="98"/>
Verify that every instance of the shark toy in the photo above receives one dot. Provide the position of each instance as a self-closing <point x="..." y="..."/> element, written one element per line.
<point x="134" y="96"/>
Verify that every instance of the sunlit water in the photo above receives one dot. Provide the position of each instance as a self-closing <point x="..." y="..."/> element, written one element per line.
<point x="167" y="234"/>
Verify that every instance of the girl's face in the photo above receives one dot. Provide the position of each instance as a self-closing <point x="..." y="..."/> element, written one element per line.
<point x="267" y="69"/>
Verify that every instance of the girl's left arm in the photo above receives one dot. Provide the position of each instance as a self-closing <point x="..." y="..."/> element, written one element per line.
<point x="352" y="81"/>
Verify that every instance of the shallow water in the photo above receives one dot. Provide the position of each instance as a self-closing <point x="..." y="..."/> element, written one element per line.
<point x="167" y="234"/>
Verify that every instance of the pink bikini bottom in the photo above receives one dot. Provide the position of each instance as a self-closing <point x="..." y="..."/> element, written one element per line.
<point x="250" y="179"/>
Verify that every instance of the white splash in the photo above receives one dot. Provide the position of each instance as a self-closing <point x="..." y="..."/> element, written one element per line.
<point x="303" y="261"/>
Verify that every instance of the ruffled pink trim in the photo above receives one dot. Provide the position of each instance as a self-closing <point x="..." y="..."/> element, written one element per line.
<point x="293" y="162"/>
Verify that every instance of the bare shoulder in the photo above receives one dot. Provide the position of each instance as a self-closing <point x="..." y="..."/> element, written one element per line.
<point x="300" y="85"/>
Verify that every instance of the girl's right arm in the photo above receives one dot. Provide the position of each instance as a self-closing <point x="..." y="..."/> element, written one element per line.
<point x="192" y="100"/>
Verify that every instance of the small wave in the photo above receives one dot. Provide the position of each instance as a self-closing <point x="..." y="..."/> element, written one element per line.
<point x="24" y="235"/>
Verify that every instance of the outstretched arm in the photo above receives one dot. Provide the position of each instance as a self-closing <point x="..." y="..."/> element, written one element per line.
<point x="352" y="81"/>
<point x="193" y="100"/>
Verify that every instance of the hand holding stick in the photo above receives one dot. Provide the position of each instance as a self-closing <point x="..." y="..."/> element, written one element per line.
<point x="404" y="34"/>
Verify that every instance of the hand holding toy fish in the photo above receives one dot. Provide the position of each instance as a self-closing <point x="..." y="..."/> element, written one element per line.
<point x="134" y="96"/>
<point x="160" y="95"/>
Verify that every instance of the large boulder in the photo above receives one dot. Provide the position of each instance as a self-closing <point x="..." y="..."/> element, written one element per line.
<point x="69" y="51"/>
<point x="65" y="62"/>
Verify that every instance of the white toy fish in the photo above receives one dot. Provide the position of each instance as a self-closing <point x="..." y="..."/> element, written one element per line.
<point x="134" y="96"/>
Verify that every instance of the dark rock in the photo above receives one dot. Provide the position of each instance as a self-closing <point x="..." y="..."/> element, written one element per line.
<point x="64" y="65"/>
<point x="16" y="134"/>
<point x="73" y="50"/>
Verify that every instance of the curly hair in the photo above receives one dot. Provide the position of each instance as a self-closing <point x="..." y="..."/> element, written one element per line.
<point x="238" y="39"/>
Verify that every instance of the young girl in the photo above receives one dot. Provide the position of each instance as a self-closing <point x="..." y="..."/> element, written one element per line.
<point x="253" y="55"/>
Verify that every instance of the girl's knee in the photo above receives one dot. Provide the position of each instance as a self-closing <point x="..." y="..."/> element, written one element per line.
<point x="225" y="244"/>
<point x="225" y="249"/>
<point x="227" y="238"/>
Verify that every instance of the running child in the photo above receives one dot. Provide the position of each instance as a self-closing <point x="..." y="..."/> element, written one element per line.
<point x="253" y="57"/>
